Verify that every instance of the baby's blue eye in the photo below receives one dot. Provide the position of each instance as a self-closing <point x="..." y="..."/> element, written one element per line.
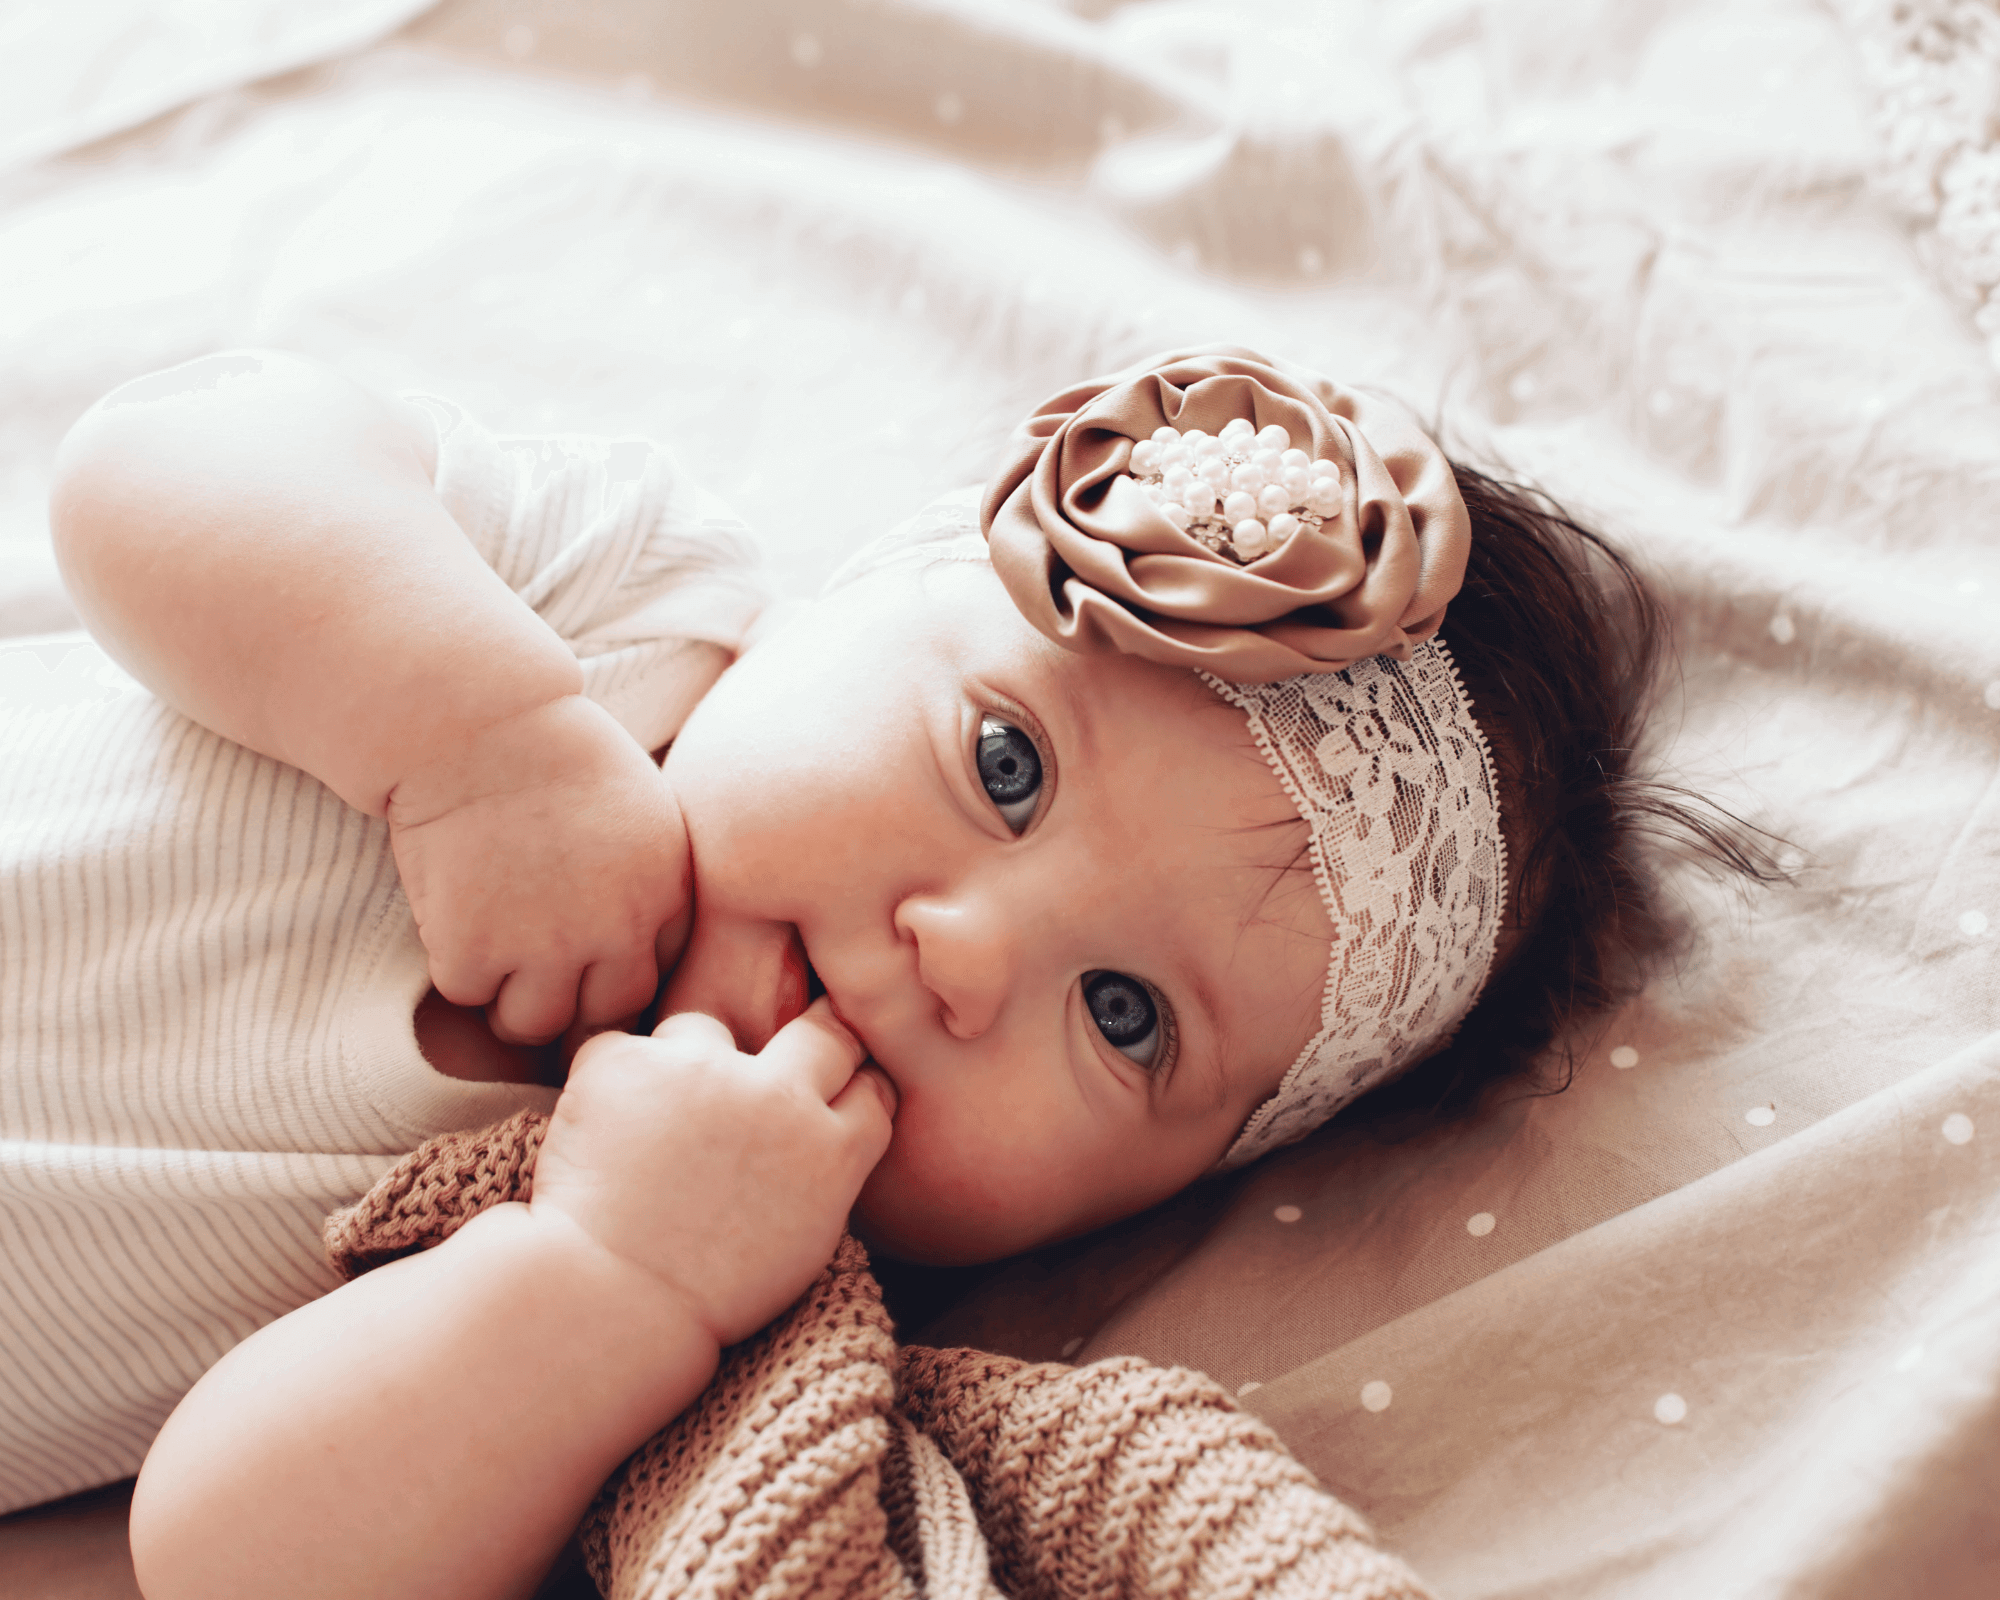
<point x="1124" y="1012"/>
<point x="1011" y="769"/>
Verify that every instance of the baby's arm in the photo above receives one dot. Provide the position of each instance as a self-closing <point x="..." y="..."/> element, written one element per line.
<point x="436" y="1428"/>
<point x="258" y="540"/>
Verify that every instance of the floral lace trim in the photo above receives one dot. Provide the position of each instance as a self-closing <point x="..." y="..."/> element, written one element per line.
<point x="1390" y="771"/>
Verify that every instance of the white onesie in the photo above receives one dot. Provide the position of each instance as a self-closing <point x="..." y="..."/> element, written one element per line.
<point x="208" y="968"/>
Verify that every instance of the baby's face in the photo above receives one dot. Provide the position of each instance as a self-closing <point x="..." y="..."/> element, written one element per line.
<point x="1060" y="898"/>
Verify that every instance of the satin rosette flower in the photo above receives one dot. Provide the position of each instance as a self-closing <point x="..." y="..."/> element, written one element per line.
<point x="1094" y="560"/>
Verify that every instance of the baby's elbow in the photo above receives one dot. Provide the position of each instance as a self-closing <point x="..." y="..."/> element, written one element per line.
<point x="165" y="1533"/>
<point x="192" y="1520"/>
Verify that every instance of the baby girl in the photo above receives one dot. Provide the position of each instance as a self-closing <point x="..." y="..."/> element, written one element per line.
<point x="1080" y="841"/>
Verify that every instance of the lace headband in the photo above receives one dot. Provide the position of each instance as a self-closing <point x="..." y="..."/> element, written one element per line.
<point x="1295" y="543"/>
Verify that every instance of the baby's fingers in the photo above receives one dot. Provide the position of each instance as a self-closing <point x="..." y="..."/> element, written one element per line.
<point x="533" y="1007"/>
<point x="818" y="1047"/>
<point x="614" y="990"/>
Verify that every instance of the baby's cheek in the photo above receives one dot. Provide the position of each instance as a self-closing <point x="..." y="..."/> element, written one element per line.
<point x="938" y="1199"/>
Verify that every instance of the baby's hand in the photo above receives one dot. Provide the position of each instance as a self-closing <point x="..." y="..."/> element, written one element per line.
<point x="547" y="866"/>
<point x="726" y="1176"/>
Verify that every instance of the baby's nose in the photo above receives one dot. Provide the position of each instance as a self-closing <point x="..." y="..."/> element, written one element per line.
<point x="964" y="957"/>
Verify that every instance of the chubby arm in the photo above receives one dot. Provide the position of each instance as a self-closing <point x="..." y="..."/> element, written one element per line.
<point x="258" y="540"/>
<point x="436" y="1429"/>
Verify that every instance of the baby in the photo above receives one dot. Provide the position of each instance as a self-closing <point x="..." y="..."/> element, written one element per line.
<point x="1072" y="846"/>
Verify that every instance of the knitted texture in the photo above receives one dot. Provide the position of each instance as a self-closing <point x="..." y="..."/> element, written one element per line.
<point x="821" y="1462"/>
<point x="433" y="1191"/>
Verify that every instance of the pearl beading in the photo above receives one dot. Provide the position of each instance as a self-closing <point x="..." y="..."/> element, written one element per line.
<point x="1241" y="492"/>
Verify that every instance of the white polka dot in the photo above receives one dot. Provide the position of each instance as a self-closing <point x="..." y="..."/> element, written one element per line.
<point x="1908" y="1360"/>
<point x="1670" y="1408"/>
<point x="1247" y="1388"/>
<point x="1957" y="1128"/>
<point x="1071" y="1346"/>
<point x="1624" y="1056"/>
<point x="519" y="41"/>
<point x="1783" y="629"/>
<point x="1376" y="1395"/>
<point x="805" y="49"/>
<point x="1993" y="695"/>
<point x="1760" y="1116"/>
<point x="949" y="107"/>
<point x="1288" y="1213"/>
<point x="1972" y="923"/>
<point x="1479" y="1224"/>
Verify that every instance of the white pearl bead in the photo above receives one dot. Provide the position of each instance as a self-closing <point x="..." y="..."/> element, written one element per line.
<point x="1270" y="461"/>
<point x="1271" y="499"/>
<point x="1165" y="434"/>
<point x="1238" y="507"/>
<point x="1274" y="438"/>
<point x="1214" y="472"/>
<point x="1323" y="498"/>
<point x="1177" y="514"/>
<point x="1326" y="469"/>
<point x="1177" y="477"/>
<point x="1237" y="427"/>
<point x="1145" y="457"/>
<point x="1192" y="437"/>
<point x="1173" y="455"/>
<point x="1248" y="477"/>
<point x="1250" y="537"/>
<point x="1199" y="498"/>
<point x="1211" y="449"/>
<point x="1296" y="483"/>
<point x="1295" y="458"/>
<point x="1282" y="527"/>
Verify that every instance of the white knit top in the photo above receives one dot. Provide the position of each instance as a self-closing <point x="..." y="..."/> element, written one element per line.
<point x="208" y="968"/>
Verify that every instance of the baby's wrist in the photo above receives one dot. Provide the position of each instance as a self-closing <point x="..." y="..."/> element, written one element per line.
<point x="557" y="740"/>
<point x="653" y="1341"/>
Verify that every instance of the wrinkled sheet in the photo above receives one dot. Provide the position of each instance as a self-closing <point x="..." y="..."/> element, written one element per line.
<point x="1724" y="1318"/>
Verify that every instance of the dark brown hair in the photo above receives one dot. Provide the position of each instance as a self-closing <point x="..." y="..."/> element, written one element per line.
<point x="1561" y="643"/>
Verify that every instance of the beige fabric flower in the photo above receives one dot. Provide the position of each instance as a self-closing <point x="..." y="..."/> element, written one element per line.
<point x="1095" y="565"/>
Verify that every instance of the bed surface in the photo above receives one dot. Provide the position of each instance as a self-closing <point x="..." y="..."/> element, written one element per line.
<point x="1724" y="1318"/>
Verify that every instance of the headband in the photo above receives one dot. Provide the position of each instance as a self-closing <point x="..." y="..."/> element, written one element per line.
<point x="1295" y="543"/>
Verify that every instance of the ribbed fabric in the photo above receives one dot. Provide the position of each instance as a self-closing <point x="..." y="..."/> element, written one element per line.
<point x="208" y="967"/>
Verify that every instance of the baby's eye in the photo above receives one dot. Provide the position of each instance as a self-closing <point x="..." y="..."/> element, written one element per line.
<point x="1124" y="1012"/>
<point x="1011" y="770"/>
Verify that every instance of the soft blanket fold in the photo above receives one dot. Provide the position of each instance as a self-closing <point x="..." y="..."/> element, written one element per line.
<point x="824" y="1461"/>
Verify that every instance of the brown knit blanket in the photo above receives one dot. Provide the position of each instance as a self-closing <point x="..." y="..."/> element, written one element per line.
<point x="823" y="1461"/>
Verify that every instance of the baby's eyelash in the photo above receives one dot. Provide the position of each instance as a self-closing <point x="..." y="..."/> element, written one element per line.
<point x="1170" y="1039"/>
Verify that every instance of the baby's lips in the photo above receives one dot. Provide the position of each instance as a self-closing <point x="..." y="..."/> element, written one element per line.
<point x="793" y="989"/>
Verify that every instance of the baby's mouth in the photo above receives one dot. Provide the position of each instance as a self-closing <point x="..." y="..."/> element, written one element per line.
<point x="799" y="985"/>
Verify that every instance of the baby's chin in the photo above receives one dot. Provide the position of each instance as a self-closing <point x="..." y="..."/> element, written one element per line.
<point x="903" y="1215"/>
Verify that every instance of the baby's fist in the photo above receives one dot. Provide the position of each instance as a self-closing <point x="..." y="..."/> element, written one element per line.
<point x="728" y="1177"/>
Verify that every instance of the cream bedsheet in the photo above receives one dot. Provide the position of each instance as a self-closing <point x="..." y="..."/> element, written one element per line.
<point x="1722" y="1320"/>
